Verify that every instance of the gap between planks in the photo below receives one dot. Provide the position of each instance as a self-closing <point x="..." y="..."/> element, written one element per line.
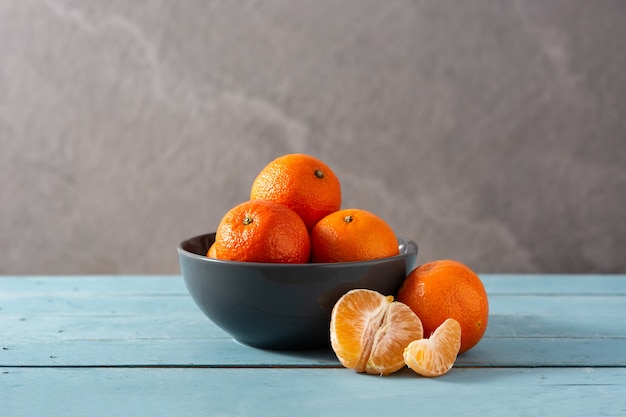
<point x="295" y="366"/>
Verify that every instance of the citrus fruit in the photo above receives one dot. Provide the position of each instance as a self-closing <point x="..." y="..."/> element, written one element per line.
<point x="352" y="235"/>
<point x="436" y="355"/>
<point x="262" y="231"/>
<point x="369" y="331"/>
<point x="444" y="289"/>
<point x="301" y="182"/>
<point x="211" y="252"/>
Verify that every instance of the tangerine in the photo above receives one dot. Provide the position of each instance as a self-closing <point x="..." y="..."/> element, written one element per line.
<point x="211" y="252"/>
<point x="444" y="289"/>
<point x="301" y="182"/>
<point x="436" y="355"/>
<point x="369" y="331"/>
<point x="352" y="235"/>
<point x="262" y="231"/>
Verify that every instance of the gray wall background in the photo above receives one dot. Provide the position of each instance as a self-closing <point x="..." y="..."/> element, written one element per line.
<point x="492" y="132"/>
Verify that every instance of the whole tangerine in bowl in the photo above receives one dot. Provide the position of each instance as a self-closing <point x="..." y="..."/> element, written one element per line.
<point x="352" y="235"/>
<point x="282" y="305"/>
<point x="301" y="182"/>
<point x="261" y="231"/>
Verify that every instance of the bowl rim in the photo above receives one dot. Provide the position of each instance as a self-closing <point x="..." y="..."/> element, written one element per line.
<point x="412" y="248"/>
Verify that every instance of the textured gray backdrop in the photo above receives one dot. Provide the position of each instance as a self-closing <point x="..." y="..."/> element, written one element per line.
<point x="492" y="132"/>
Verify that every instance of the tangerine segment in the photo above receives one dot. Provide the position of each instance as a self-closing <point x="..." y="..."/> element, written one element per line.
<point x="400" y="326"/>
<point x="436" y="355"/>
<point x="353" y="321"/>
<point x="369" y="331"/>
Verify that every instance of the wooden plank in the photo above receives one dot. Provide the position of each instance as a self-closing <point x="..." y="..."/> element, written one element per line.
<point x="138" y="345"/>
<point x="113" y="285"/>
<point x="61" y="329"/>
<point x="134" y="321"/>
<point x="62" y="303"/>
<point x="226" y="352"/>
<point x="149" y="317"/>
<point x="550" y="284"/>
<point x="555" y="352"/>
<point x="72" y="298"/>
<point x="172" y="352"/>
<point x="99" y="305"/>
<point x="67" y="327"/>
<point x="129" y="285"/>
<point x="182" y="346"/>
<point x="310" y="392"/>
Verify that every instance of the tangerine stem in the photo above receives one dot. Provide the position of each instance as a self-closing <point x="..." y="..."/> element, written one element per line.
<point x="319" y="173"/>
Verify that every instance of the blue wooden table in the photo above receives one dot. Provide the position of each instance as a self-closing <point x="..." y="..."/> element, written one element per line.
<point x="138" y="346"/>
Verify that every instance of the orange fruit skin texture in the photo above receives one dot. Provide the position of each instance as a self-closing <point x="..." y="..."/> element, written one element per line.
<point x="211" y="252"/>
<point x="301" y="182"/>
<point x="352" y="235"/>
<point x="436" y="355"/>
<point x="444" y="289"/>
<point x="262" y="231"/>
<point x="369" y="331"/>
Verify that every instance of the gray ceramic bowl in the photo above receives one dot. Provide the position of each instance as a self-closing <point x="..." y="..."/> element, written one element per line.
<point x="282" y="306"/>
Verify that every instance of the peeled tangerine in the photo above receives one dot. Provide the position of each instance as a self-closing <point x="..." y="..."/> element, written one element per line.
<point x="435" y="356"/>
<point x="369" y="331"/>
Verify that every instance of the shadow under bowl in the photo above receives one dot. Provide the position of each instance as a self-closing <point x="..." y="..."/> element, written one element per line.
<point x="282" y="306"/>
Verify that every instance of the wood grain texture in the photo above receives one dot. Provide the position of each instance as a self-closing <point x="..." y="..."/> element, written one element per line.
<point x="138" y="345"/>
<point x="311" y="392"/>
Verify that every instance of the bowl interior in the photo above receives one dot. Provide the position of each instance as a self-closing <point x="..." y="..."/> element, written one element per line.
<point x="199" y="246"/>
